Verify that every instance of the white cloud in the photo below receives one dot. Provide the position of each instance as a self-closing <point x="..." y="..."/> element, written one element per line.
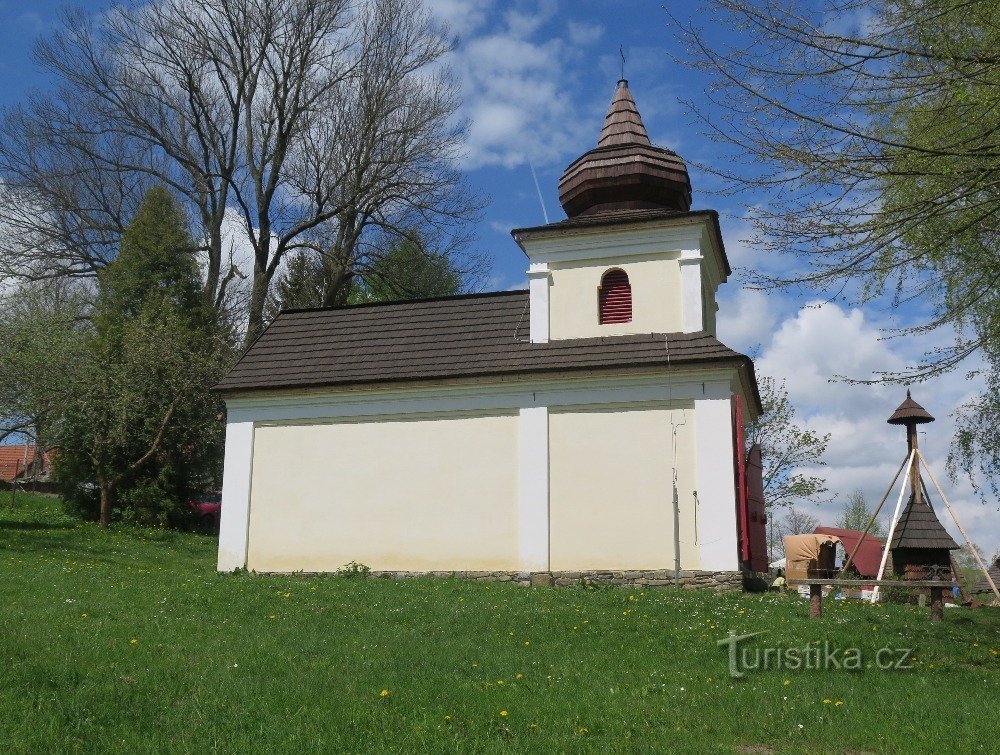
<point x="519" y="83"/>
<point x="746" y="319"/>
<point x="809" y="349"/>
<point x="462" y="16"/>
<point x="581" y="33"/>
<point x="522" y="22"/>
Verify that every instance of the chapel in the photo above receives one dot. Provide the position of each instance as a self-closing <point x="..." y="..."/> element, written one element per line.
<point x="591" y="424"/>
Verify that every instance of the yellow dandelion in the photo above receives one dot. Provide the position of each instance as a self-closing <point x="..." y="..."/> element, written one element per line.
<point x="384" y="693"/>
<point x="447" y="718"/>
<point x="503" y="714"/>
<point x="827" y="701"/>
<point x="584" y="730"/>
<point x="787" y="682"/>
<point x="839" y="702"/>
<point x="83" y="615"/>
<point x="527" y="642"/>
<point x="500" y="682"/>
<point x="133" y="641"/>
<point x="475" y="665"/>
<point x="519" y="676"/>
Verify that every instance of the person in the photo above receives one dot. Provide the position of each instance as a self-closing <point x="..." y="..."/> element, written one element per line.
<point x="779" y="581"/>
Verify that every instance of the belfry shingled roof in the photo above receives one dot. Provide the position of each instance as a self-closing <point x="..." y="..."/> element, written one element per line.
<point x="919" y="527"/>
<point x="623" y="124"/>
<point x="470" y="336"/>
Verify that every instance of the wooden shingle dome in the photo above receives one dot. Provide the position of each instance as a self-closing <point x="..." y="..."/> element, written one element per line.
<point x="910" y="412"/>
<point x="625" y="171"/>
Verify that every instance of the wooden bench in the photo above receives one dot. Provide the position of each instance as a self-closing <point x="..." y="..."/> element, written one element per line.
<point x="816" y="590"/>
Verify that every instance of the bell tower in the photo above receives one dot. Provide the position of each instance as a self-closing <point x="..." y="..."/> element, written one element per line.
<point x="630" y="257"/>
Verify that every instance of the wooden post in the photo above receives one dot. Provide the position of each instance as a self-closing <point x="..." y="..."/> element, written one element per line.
<point x="937" y="604"/>
<point x="815" y="601"/>
<point x="857" y="546"/>
<point x="13" y="484"/>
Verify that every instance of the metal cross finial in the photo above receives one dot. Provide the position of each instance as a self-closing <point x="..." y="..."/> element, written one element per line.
<point x="621" y="51"/>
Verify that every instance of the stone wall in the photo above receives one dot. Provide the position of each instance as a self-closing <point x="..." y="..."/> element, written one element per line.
<point x="707" y="580"/>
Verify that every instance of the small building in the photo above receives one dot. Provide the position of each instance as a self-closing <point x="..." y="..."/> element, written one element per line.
<point x="983" y="586"/>
<point x="24" y="463"/>
<point x="867" y="558"/>
<point x="587" y="425"/>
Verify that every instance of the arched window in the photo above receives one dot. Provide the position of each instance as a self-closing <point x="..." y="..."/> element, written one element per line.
<point x="615" y="297"/>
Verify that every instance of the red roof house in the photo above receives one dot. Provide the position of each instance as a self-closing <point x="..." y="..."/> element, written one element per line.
<point x="868" y="557"/>
<point x="26" y="462"/>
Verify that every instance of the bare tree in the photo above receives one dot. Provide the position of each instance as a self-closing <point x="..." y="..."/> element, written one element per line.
<point x="309" y="121"/>
<point x="798" y="522"/>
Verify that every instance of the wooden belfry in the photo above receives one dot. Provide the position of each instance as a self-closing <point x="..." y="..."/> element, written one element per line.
<point x="920" y="546"/>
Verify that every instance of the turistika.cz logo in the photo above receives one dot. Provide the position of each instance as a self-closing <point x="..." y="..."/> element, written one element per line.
<point x="813" y="656"/>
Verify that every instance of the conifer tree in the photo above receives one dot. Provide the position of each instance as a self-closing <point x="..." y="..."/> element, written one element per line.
<point x="143" y="426"/>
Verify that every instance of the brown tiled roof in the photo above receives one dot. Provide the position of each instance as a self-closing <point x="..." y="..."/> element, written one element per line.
<point x="919" y="527"/>
<point x="478" y="335"/>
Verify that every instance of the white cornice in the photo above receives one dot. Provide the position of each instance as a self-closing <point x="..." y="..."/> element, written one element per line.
<point x="682" y="236"/>
<point x="662" y="386"/>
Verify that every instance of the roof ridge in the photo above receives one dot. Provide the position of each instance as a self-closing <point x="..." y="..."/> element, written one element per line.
<point x="404" y="302"/>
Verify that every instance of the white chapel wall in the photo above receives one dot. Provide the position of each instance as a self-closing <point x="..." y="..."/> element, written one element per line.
<point x="612" y="486"/>
<point x="406" y="494"/>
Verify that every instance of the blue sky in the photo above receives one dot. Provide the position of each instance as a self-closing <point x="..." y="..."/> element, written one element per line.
<point x="537" y="76"/>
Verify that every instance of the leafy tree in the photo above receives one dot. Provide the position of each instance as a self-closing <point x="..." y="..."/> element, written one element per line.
<point x="969" y="573"/>
<point x="155" y="268"/>
<point x="41" y="347"/>
<point x="406" y="270"/>
<point x="786" y="449"/>
<point x="299" y="287"/>
<point x="865" y="137"/>
<point x="857" y="514"/>
<point x="141" y="416"/>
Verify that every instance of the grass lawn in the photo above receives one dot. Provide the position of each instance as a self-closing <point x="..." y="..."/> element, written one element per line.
<point x="128" y="640"/>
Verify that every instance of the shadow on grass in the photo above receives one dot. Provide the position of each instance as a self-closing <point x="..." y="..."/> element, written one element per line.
<point x="11" y="524"/>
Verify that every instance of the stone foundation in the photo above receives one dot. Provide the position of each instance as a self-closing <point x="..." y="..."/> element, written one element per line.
<point x="690" y="580"/>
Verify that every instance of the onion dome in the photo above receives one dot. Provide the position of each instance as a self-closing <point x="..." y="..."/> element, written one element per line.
<point x="910" y="412"/>
<point x="625" y="171"/>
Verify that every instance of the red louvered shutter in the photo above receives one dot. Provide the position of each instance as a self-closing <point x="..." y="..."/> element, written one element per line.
<point x="615" y="298"/>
